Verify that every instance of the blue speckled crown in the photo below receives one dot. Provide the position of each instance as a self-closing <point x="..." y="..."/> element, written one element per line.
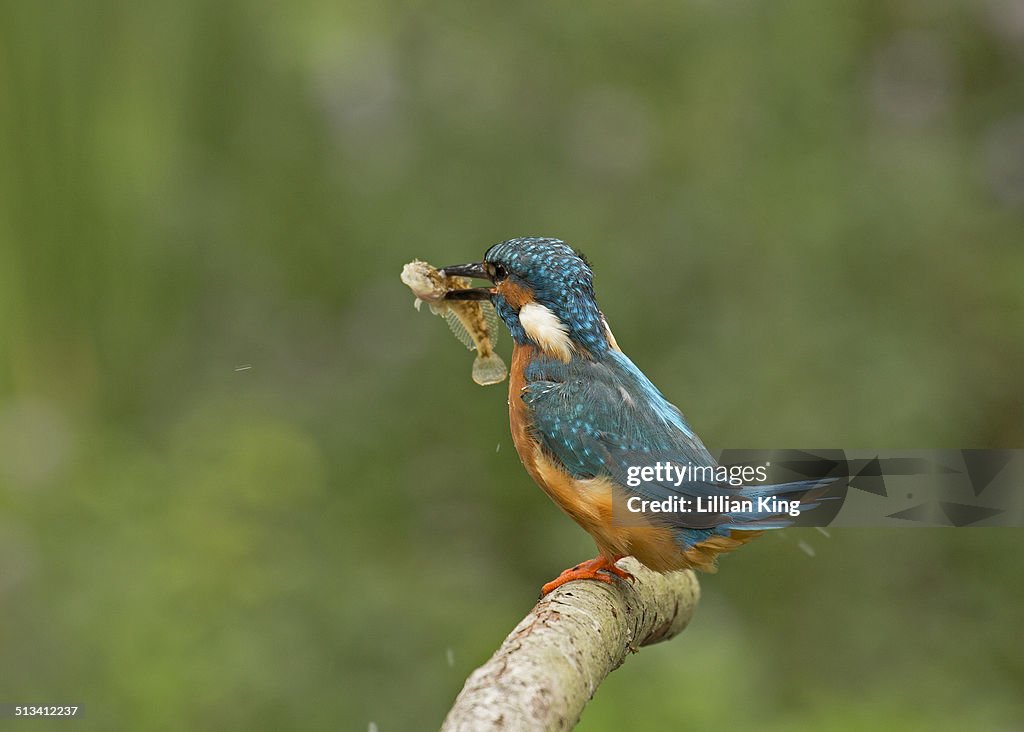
<point x="560" y="279"/>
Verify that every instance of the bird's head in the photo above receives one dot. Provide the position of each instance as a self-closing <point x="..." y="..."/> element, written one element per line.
<point x="544" y="291"/>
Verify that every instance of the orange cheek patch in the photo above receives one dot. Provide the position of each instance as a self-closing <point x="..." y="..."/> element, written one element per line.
<point x="515" y="295"/>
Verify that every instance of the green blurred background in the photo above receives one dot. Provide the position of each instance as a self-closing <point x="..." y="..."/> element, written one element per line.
<point x="243" y="484"/>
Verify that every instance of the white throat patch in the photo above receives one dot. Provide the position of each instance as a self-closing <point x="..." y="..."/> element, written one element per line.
<point x="546" y="330"/>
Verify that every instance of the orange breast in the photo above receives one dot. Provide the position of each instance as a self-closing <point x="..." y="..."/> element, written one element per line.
<point x="589" y="502"/>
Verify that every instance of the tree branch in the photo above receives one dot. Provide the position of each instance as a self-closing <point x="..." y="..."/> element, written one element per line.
<point x="551" y="664"/>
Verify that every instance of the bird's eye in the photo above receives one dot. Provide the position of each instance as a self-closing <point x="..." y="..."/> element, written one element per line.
<point x="498" y="272"/>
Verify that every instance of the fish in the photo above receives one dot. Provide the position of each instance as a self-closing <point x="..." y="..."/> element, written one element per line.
<point x="474" y="322"/>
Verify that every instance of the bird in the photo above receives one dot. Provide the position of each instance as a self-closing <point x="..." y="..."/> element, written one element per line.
<point x="583" y="415"/>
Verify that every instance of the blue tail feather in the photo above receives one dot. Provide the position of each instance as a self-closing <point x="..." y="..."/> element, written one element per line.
<point x="799" y="491"/>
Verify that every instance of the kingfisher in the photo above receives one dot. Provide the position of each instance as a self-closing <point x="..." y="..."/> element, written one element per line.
<point x="582" y="415"/>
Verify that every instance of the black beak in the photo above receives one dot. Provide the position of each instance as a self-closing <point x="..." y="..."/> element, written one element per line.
<point x="476" y="271"/>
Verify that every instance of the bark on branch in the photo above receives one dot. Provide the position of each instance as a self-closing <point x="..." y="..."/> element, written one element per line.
<point x="551" y="664"/>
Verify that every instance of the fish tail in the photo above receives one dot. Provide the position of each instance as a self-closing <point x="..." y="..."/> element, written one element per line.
<point x="489" y="369"/>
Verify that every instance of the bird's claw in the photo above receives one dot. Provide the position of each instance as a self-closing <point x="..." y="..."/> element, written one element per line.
<point x="600" y="568"/>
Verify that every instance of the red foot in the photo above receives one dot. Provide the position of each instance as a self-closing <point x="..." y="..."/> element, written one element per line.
<point x="591" y="569"/>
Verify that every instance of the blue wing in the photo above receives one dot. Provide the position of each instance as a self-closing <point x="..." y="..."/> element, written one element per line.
<point x="598" y="418"/>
